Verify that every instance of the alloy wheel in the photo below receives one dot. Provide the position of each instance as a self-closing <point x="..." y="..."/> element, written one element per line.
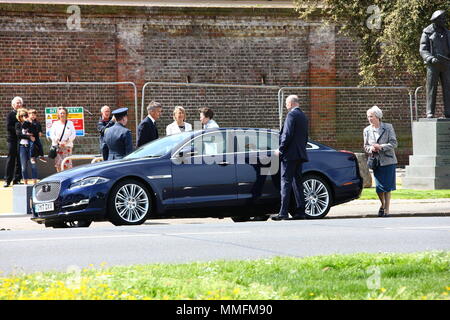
<point x="317" y="197"/>
<point x="131" y="203"/>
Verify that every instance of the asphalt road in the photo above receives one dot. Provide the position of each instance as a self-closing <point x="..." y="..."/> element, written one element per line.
<point x="63" y="249"/>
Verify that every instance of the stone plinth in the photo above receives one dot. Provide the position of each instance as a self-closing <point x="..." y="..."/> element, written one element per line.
<point x="22" y="194"/>
<point x="429" y="166"/>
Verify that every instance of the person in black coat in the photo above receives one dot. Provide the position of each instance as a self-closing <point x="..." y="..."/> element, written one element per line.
<point x="13" y="170"/>
<point x="292" y="153"/>
<point x="104" y="123"/>
<point x="118" y="137"/>
<point x="25" y="137"/>
<point x="36" y="149"/>
<point x="147" y="130"/>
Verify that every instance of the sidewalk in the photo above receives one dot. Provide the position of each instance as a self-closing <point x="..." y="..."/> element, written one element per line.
<point x="353" y="209"/>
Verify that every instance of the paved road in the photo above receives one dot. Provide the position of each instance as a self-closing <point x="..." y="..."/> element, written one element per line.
<point x="353" y="209"/>
<point x="59" y="249"/>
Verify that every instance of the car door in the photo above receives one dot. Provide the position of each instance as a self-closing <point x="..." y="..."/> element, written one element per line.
<point x="257" y="167"/>
<point x="207" y="177"/>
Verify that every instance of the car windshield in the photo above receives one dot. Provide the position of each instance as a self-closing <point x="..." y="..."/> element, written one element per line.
<point x="159" y="147"/>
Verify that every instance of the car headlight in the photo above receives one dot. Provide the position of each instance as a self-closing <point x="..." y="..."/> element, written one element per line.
<point x="86" y="182"/>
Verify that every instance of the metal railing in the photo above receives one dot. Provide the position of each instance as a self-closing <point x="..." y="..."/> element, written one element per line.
<point x="415" y="102"/>
<point x="282" y="89"/>
<point x="204" y="85"/>
<point x="81" y="84"/>
<point x="95" y="158"/>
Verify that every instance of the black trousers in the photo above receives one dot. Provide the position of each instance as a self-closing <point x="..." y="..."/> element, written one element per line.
<point x="436" y="72"/>
<point x="13" y="170"/>
<point x="291" y="180"/>
<point x="105" y="151"/>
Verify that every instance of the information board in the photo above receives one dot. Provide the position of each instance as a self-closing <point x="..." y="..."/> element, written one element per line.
<point x="76" y="115"/>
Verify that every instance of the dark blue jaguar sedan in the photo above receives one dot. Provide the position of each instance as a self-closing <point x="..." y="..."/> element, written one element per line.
<point x="215" y="173"/>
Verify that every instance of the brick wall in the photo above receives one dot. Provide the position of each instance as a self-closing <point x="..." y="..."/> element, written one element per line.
<point x="244" y="46"/>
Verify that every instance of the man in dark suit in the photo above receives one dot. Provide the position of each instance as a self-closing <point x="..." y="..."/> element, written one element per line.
<point x="292" y="153"/>
<point x="13" y="171"/>
<point x="147" y="130"/>
<point x="118" y="137"/>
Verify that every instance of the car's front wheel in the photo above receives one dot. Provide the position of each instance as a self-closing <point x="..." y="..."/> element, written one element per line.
<point x="129" y="203"/>
<point x="318" y="196"/>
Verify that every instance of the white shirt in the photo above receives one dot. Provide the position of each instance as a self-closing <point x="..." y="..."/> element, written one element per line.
<point x="376" y="132"/>
<point x="24" y="142"/>
<point x="69" y="133"/>
<point x="153" y="120"/>
<point x="173" y="128"/>
<point x="210" y="124"/>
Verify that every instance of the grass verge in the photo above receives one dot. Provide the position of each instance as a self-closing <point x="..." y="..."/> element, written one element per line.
<point x="370" y="194"/>
<point x="358" y="276"/>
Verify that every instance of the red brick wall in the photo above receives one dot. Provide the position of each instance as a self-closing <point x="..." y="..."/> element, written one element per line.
<point x="202" y="46"/>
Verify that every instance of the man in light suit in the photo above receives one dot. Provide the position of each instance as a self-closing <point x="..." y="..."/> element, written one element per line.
<point x="292" y="153"/>
<point x="147" y="130"/>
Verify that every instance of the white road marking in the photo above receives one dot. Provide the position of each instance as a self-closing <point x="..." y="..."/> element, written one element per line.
<point x="123" y="236"/>
<point x="418" y="228"/>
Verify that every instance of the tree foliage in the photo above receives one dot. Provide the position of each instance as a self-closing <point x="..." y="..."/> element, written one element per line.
<point x="389" y="31"/>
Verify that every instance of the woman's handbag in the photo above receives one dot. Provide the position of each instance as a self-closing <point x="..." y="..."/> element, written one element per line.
<point x="53" y="152"/>
<point x="373" y="162"/>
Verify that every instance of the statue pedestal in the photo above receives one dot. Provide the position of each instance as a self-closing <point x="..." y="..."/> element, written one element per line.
<point x="429" y="166"/>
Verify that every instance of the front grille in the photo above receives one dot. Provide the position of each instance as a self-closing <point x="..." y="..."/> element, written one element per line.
<point x="47" y="191"/>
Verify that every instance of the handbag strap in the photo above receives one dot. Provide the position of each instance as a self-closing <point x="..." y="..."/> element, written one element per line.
<point x="378" y="140"/>
<point x="64" y="129"/>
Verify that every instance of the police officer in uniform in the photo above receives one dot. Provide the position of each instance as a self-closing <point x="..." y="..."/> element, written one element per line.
<point x="118" y="137"/>
<point x="435" y="51"/>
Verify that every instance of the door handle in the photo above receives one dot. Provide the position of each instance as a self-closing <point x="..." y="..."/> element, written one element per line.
<point x="224" y="163"/>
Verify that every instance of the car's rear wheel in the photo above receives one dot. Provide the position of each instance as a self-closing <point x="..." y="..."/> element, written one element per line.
<point x="318" y="196"/>
<point x="69" y="224"/>
<point x="129" y="203"/>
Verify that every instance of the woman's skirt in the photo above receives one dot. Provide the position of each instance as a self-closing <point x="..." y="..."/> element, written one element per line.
<point x="62" y="153"/>
<point x="385" y="178"/>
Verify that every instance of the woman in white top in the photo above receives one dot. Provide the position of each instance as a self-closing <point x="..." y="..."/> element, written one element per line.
<point x="64" y="143"/>
<point x="179" y="115"/>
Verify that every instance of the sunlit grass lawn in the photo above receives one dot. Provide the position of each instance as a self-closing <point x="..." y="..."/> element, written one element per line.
<point x="357" y="276"/>
<point x="370" y="194"/>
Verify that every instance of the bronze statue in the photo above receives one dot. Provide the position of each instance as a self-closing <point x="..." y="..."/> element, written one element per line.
<point x="435" y="51"/>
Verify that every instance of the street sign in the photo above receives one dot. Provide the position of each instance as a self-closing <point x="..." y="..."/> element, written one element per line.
<point x="76" y="115"/>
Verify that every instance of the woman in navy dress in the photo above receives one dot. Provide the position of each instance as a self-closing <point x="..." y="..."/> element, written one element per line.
<point x="380" y="141"/>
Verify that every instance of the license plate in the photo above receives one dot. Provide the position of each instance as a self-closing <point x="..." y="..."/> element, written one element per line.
<point x="44" y="207"/>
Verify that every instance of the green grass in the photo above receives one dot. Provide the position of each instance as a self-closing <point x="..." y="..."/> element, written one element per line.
<point x="370" y="194"/>
<point x="358" y="276"/>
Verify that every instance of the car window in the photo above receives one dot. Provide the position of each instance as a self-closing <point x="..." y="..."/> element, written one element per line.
<point x="160" y="147"/>
<point x="256" y="140"/>
<point x="311" y="146"/>
<point x="211" y="144"/>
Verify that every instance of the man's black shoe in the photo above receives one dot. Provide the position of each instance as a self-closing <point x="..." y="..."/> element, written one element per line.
<point x="6" y="185"/>
<point x="298" y="217"/>
<point x="279" y="218"/>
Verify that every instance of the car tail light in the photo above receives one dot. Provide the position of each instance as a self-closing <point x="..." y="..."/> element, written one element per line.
<point x="352" y="157"/>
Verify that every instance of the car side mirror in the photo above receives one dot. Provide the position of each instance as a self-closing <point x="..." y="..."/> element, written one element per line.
<point x="187" y="152"/>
